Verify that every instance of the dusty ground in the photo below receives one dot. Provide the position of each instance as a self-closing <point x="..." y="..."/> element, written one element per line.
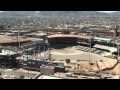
<point x="23" y="70"/>
<point x="67" y="52"/>
<point x="73" y="55"/>
<point x="116" y="69"/>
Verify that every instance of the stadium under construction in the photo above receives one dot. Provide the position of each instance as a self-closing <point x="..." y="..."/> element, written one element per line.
<point x="32" y="46"/>
<point x="34" y="52"/>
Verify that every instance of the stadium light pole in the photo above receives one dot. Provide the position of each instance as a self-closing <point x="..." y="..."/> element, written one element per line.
<point x="118" y="51"/>
<point x="89" y="57"/>
<point x="27" y="61"/>
<point x="50" y="54"/>
<point x="19" y="40"/>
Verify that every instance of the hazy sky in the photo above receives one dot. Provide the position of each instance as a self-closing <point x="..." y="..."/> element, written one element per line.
<point x="99" y="11"/>
<point x="107" y="11"/>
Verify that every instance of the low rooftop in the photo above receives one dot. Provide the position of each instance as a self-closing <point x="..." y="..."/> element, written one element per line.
<point x="9" y="39"/>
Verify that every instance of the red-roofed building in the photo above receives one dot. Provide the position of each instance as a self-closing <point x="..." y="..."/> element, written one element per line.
<point x="68" y="35"/>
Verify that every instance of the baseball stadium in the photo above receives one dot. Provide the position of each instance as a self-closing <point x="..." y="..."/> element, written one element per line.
<point x="78" y="47"/>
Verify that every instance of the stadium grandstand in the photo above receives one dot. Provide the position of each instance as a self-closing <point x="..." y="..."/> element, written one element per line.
<point x="69" y="39"/>
<point x="104" y="41"/>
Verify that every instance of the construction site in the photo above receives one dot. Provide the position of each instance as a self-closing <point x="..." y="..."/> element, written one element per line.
<point x="59" y="47"/>
<point x="44" y="55"/>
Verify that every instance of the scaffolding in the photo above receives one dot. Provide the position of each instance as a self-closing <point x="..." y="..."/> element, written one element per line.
<point x="29" y="51"/>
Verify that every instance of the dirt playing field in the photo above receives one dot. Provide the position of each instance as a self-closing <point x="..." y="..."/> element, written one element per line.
<point x="116" y="69"/>
<point x="74" y="55"/>
<point x="67" y="52"/>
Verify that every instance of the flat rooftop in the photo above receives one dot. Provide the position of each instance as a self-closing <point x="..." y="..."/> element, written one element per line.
<point x="10" y="39"/>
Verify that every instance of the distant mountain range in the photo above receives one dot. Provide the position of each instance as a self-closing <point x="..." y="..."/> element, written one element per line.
<point x="58" y="13"/>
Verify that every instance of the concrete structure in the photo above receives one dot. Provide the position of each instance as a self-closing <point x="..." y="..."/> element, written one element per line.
<point x="49" y="77"/>
<point x="59" y="69"/>
<point x="111" y="49"/>
<point x="98" y="39"/>
<point x="12" y="41"/>
<point x="47" y="70"/>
